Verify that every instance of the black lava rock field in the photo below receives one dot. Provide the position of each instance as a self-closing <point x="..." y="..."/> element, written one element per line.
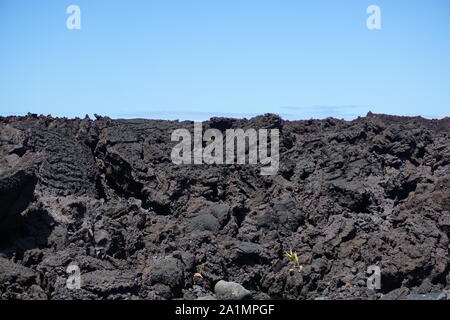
<point x="104" y="196"/>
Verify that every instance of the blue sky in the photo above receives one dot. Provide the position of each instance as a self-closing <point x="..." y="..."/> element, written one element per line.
<point x="192" y="59"/>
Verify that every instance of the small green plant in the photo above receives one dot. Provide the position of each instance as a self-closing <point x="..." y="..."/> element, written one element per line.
<point x="293" y="256"/>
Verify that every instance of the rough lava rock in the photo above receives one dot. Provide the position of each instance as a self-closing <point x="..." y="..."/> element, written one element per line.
<point x="104" y="195"/>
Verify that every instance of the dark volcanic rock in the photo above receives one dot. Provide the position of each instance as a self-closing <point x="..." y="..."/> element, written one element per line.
<point x="168" y="271"/>
<point x="104" y="195"/>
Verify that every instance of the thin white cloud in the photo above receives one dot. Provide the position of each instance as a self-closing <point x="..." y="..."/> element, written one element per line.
<point x="347" y="112"/>
<point x="183" y="115"/>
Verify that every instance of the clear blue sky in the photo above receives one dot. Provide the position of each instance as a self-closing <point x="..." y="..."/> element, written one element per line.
<point x="191" y="59"/>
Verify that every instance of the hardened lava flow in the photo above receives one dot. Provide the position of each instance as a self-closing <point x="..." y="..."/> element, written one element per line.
<point x="104" y="195"/>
